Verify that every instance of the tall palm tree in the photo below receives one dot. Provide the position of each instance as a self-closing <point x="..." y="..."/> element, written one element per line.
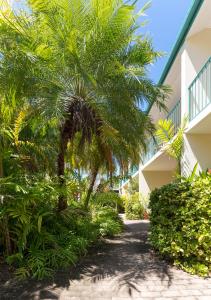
<point x="81" y="63"/>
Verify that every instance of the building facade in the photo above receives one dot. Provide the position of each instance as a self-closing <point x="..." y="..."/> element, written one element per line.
<point x="188" y="73"/>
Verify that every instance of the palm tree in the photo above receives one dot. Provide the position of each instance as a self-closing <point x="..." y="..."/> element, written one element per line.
<point x="105" y="154"/>
<point x="173" y="143"/>
<point x="82" y="64"/>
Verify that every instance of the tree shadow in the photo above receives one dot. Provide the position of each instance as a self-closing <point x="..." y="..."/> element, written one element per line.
<point x="126" y="262"/>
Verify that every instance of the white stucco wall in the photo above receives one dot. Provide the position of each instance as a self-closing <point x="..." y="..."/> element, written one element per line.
<point x="149" y="180"/>
<point x="197" y="148"/>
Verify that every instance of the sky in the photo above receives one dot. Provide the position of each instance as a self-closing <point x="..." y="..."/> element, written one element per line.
<point x="165" y="19"/>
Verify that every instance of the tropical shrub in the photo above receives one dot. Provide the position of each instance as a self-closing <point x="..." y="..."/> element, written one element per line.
<point x="104" y="208"/>
<point x="109" y="199"/>
<point x="145" y="203"/>
<point x="107" y="221"/>
<point x="36" y="238"/>
<point x="181" y="223"/>
<point x="134" y="209"/>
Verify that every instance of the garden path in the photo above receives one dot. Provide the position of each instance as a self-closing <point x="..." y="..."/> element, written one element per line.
<point x="123" y="268"/>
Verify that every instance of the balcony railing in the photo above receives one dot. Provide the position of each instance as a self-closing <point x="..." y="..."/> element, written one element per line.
<point x="175" y="116"/>
<point x="200" y="91"/>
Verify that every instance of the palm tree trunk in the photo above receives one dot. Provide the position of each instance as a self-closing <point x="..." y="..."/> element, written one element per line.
<point x="62" y="202"/>
<point x="6" y="235"/>
<point x="91" y="186"/>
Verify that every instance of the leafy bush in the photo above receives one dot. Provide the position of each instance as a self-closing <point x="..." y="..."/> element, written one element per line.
<point x="36" y="238"/>
<point x="109" y="199"/>
<point x="181" y="224"/>
<point x="145" y="203"/>
<point x="134" y="209"/>
<point x="104" y="208"/>
<point x="107" y="221"/>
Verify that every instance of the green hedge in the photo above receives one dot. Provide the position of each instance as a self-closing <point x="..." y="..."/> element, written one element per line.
<point x="105" y="207"/>
<point x="107" y="221"/>
<point x="181" y="223"/>
<point x="134" y="209"/>
<point x="108" y="199"/>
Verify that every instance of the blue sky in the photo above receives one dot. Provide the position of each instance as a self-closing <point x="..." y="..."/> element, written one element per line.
<point x="165" y="18"/>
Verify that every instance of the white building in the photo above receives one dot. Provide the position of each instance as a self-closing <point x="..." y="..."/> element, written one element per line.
<point x="188" y="72"/>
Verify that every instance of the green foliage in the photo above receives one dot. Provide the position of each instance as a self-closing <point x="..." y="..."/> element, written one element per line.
<point x="190" y="178"/>
<point x="68" y="70"/>
<point x="181" y="223"/>
<point x="93" y="68"/>
<point x="145" y="203"/>
<point x="105" y="207"/>
<point x="44" y="240"/>
<point x="171" y="140"/>
<point x="107" y="220"/>
<point x="134" y="209"/>
<point x="133" y="186"/>
<point x="109" y="199"/>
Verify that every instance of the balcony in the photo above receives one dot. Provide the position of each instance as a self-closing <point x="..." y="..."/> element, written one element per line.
<point x="200" y="91"/>
<point x="200" y="102"/>
<point x="175" y="116"/>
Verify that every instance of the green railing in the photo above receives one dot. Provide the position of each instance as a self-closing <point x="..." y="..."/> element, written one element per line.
<point x="175" y="116"/>
<point x="200" y="91"/>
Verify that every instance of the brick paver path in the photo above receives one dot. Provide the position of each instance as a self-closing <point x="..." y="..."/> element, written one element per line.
<point x="121" y="269"/>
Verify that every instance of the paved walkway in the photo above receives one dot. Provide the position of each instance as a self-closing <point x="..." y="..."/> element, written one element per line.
<point x="121" y="269"/>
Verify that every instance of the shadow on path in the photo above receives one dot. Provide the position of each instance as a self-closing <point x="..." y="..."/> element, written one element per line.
<point x="120" y="266"/>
